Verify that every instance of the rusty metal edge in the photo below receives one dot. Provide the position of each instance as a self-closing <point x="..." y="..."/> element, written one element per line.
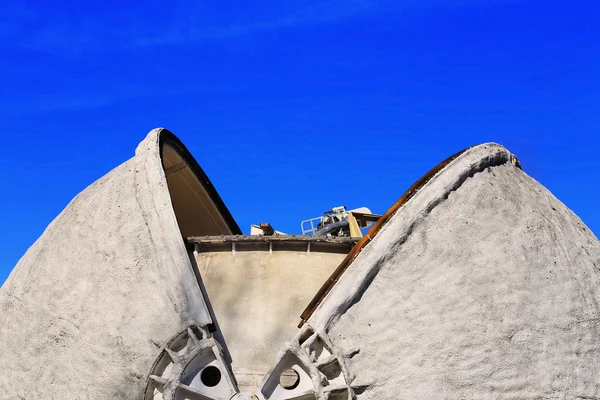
<point x="335" y="276"/>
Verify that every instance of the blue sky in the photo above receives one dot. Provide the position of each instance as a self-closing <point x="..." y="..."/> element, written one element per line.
<point x="293" y="107"/>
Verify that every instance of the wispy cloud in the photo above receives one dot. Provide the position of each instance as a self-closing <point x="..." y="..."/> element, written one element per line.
<point x="197" y="28"/>
<point x="53" y="28"/>
<point x="64" y="80"/>
<point x="96" y="26"/>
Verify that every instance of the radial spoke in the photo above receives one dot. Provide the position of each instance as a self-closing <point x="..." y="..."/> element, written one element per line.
<point x="192" y="336"/>
<point x="159" y="379"/>
<point x="174" y="356"/>
<point x="189" y="389"/>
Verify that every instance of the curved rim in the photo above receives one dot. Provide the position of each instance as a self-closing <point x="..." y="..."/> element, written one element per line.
<point x="167" y="137"/>
<point x="336" y="275"/>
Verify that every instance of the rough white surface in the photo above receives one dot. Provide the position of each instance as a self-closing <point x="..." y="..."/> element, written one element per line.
<point x="84" y="312"/>
<point x="488" y="289"/>
<point x="483" y="286"/>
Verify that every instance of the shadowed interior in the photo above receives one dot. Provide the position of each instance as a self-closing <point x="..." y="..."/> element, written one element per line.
<point x="195" y="208"/>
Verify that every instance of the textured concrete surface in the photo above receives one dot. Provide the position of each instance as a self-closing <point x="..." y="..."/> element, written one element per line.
<point x="257" y="297"/>
<point x="84" y="312"/>
<point x="483" y="286"/>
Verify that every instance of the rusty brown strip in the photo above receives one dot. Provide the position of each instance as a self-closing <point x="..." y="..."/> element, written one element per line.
<point x="332" y="280"/>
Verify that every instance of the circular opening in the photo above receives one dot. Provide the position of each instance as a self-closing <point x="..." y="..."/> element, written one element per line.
<point x="211" y="376"/>
<point x="289" y="379"/>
